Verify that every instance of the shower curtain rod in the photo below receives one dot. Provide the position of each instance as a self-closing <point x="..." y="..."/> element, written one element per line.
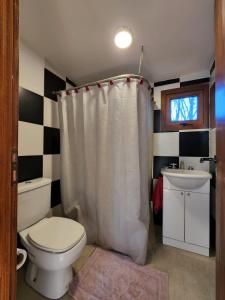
<point x="103" y="81"/>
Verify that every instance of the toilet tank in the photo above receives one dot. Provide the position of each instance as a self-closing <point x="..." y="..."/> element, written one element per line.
<point x="34" y="202"/>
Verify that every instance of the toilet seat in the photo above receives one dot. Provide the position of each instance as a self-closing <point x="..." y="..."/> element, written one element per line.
<point x="56" y="234"/>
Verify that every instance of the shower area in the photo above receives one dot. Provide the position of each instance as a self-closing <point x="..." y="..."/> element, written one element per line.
<point x="106" y="155"/>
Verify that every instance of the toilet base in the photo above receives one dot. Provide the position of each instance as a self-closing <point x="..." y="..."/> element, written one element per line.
<point x="51" y="284"/>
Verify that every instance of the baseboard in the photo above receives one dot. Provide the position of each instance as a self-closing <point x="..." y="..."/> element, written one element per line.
<point x="186" y="246"/>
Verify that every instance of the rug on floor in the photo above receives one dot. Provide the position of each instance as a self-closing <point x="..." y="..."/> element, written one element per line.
<point x="110" y="276"/>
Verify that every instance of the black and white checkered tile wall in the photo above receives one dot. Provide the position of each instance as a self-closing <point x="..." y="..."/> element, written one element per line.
<point x="186" y="145"/>
<point x="39" y="136"/>
<point x="39" y="140"/>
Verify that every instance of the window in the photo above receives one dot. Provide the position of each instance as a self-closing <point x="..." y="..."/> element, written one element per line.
<point x="185" y="108"/>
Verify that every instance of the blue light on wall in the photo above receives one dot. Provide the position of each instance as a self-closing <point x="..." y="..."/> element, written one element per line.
<point x="184" y="109"/>
<point x="220" y="102"/>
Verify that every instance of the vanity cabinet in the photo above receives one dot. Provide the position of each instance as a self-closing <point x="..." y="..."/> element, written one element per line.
<point x="197" y="219"/>
<point x="186" y="219"/>
<point x="173" y="214"/>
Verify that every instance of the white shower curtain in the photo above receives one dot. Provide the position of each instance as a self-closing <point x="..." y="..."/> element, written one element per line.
<point x="105" y="163"/>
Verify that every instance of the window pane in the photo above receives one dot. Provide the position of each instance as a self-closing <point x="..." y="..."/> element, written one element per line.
<point x="184" y="109"/>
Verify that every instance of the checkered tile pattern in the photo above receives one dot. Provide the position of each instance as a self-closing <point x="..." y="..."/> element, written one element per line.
<point x="39" y="138"/>
<point x="39" y="135"/>
<point x="185" y="145"/>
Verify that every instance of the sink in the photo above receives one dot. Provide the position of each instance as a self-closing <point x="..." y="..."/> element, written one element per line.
<point x="186" y="179"/>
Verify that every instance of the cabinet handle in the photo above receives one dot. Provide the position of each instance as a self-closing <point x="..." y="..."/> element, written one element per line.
<point x="188" y="194"/>
<point x="182" y="193"/>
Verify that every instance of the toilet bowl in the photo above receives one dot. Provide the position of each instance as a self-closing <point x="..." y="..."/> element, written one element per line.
<point x="51" y="254"/>
<point x="53" y="244"/>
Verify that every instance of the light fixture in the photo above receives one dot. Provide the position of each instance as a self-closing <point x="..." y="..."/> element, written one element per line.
<point x="123" y="38"/>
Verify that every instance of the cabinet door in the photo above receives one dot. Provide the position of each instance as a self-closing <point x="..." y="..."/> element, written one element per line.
<point x="197" y="219"/>
<point x="173" y="214"/>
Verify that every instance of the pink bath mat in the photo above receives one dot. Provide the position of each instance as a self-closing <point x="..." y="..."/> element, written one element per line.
<point x="111" y="276"/>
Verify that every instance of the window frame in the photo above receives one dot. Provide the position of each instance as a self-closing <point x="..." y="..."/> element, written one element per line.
<point x="202" y="91"/>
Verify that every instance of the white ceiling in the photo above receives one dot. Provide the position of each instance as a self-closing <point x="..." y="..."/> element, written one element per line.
<point x="76" y="36"/>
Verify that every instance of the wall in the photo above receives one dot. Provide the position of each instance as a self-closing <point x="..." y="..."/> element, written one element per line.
<point x="39" y="141"/>
<point x="186" y="145"/>
<point x="38" y="136"/>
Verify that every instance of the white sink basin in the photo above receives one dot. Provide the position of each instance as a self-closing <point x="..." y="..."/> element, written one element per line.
<point x="186" y="179"/>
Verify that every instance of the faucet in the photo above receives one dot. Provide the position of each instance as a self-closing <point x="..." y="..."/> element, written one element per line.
<point x="173" y="166"/>
<point x="202" y="159"/>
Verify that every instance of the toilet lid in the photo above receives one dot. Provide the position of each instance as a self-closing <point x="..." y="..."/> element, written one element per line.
<point x="56" y="234"/>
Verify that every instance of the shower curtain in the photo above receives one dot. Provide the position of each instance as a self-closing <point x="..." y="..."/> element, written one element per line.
<point x="105" y="132"/>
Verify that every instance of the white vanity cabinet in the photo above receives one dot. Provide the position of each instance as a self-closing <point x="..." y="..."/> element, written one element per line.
<point x="173" y="214"/>
<point x="197" y="219"/>
<point x="186" y="217"/>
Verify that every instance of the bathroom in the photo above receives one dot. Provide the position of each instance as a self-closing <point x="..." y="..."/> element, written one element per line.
<point x="119" y="165"/>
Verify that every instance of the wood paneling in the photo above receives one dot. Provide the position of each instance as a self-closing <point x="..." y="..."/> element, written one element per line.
<point x="8" y="138"/>
<point x="220" y="146"/>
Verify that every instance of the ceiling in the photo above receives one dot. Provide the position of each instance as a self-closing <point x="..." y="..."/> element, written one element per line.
<point x="76" y="36"/>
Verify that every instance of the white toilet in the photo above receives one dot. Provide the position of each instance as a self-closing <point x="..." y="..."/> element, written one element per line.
<point x="53" y="244"/>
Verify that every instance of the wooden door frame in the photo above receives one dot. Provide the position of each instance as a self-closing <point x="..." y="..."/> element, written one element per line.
<point x="9" y="52"/>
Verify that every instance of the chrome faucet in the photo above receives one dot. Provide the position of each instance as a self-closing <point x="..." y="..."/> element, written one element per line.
<point x="202" y="159"/>
<point x="173" y="166"/>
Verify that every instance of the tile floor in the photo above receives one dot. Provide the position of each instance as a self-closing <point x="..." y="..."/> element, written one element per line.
<point x="191" y="276"/>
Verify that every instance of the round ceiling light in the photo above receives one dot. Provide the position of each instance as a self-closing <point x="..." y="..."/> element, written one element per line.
<point x="123" y="38"/>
